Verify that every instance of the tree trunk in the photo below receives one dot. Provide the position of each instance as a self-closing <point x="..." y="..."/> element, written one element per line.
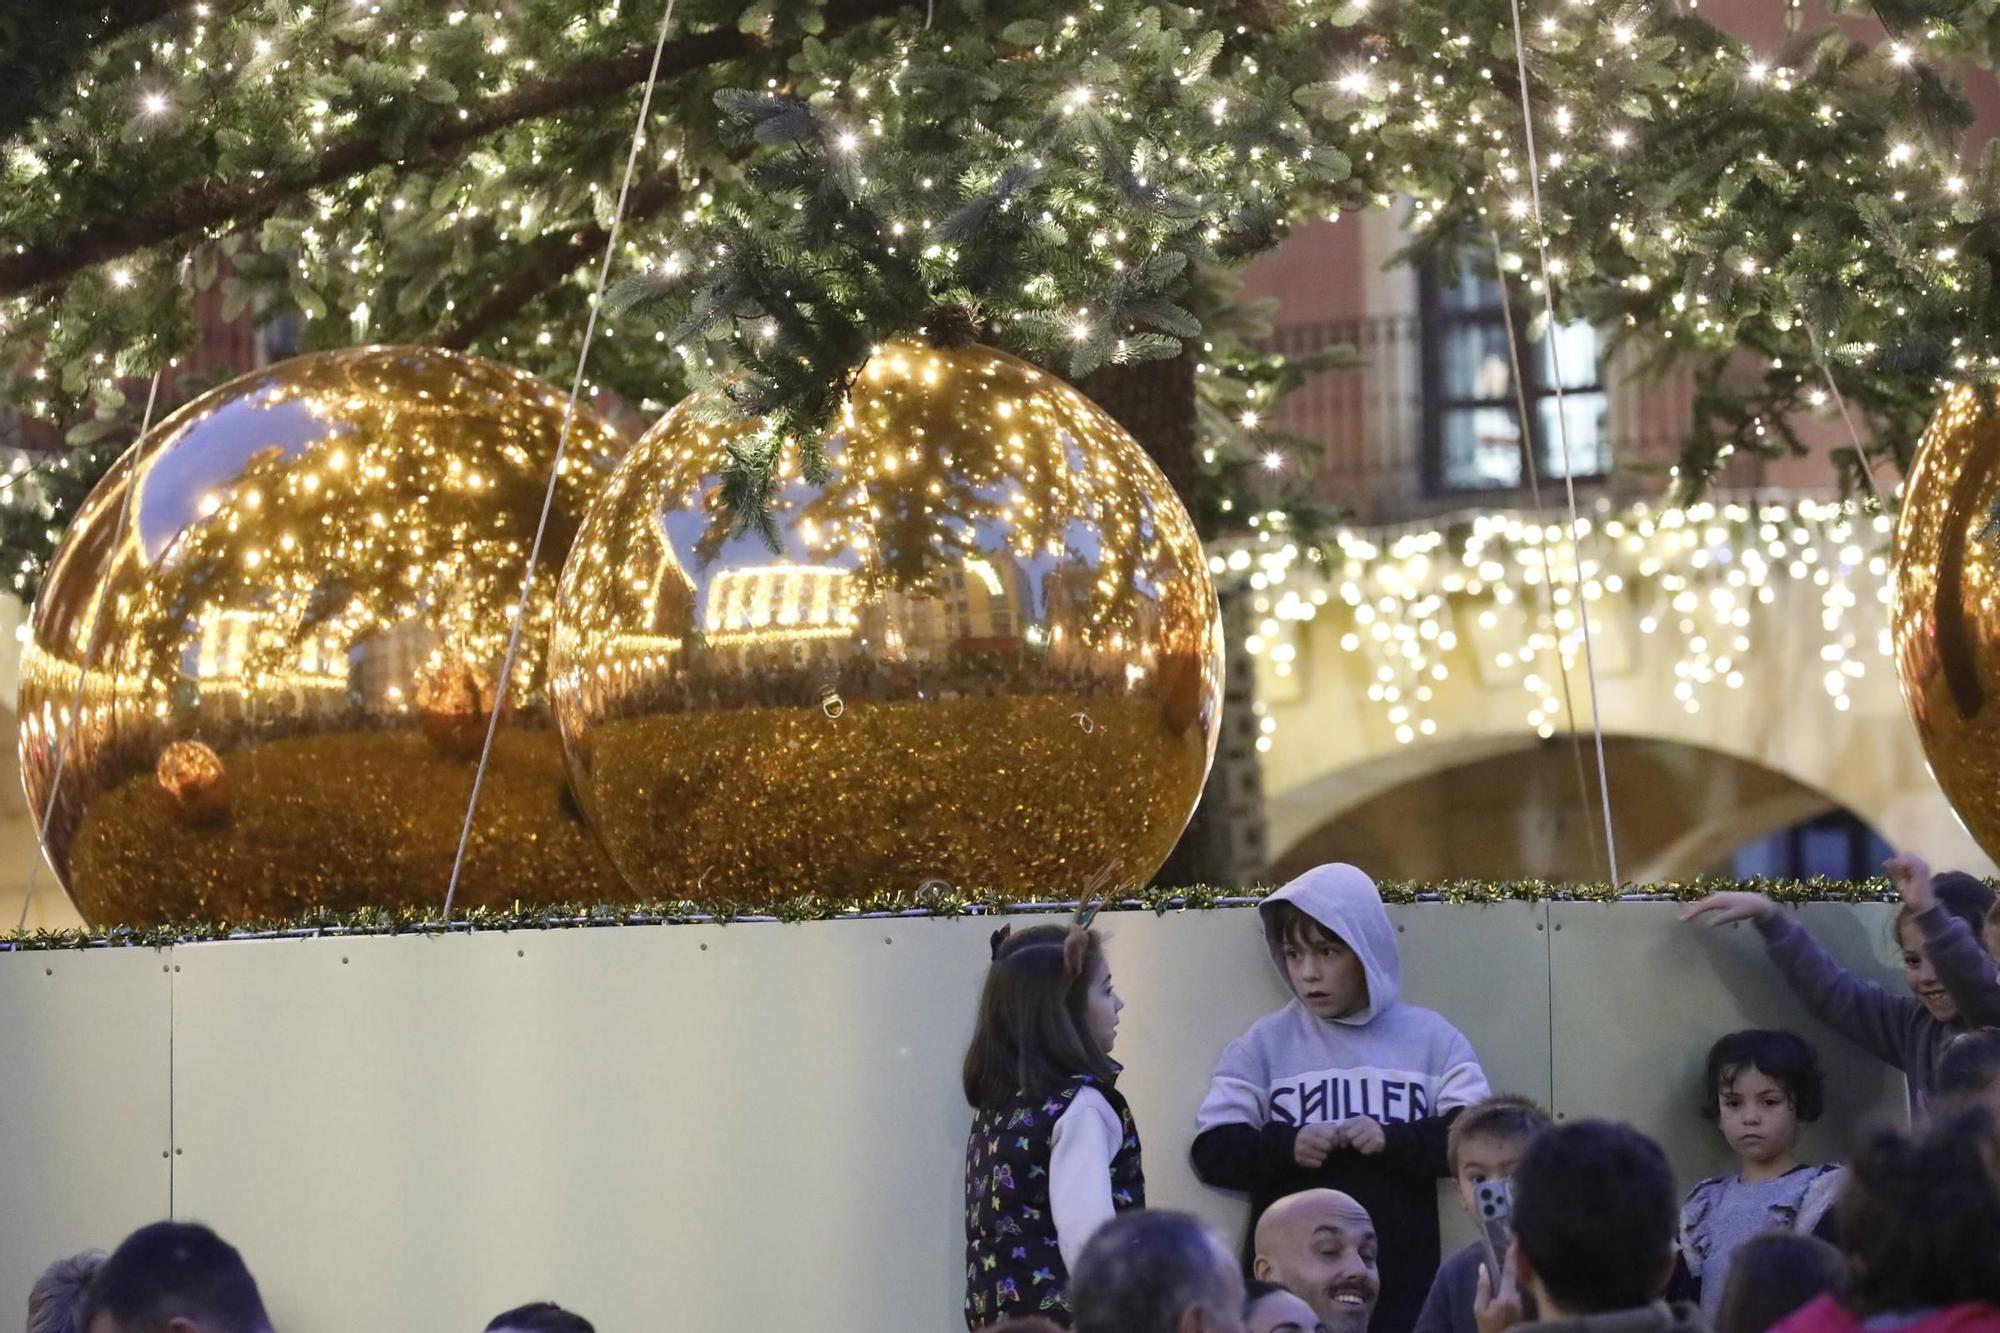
<point x="1224" y="843"/>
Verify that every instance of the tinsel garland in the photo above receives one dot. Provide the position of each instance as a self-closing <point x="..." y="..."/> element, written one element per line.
<point x="916" y="904"/>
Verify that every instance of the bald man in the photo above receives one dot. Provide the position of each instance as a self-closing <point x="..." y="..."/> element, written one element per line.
<point x="1321" y="1245"/>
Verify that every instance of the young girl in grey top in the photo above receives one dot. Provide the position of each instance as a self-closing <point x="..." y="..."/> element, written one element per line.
<point x="1760" y="1087"/>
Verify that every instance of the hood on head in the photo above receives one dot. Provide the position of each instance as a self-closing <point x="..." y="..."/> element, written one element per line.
<point x="1346" y="902"/>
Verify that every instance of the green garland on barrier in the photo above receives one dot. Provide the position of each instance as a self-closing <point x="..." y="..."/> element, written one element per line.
<point x="920" y="903"/>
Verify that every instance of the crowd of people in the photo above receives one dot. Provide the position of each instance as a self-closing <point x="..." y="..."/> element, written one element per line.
<point x="180" y="1277"/>
<point x="1338" y="1113"/>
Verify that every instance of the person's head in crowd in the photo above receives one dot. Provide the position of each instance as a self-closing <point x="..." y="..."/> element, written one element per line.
<point x="174" y="1277"/>
<point x="1968" y="1074"/>
<point x="1156" y="1272"/>
<point x="1595" y="1212"/>
<point x="1486" y="1142"/>
<point x="1919" y="1219"/>
<point x="1271" y="1308"/>
<point x="1759" y="1087"/>
<point x="1775" y="1275"/>
<point x="56" y="1301"/>
<point x="1321" y="1245"/>
<point x="1989" y="931"/>
<point x="1048" y="1012"/>
<point x="540" y="1317"/>
<point x="1032" y="1323"/>
<point x="1965" y="897"/>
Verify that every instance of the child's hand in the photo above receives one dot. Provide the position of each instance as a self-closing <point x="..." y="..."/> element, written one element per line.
<point x="1361" y="1133"/>
<point x="1912" y="879"/>
<point x="1728" y="908"/>
<point x="1497" y="1311"/>
<point x="1313" y="1143"/>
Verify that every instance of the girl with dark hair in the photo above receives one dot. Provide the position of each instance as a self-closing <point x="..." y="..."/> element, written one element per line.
<point x="1907" y="1031"/>
<point x="1053" y="1152"/>
<point x="1776" y="1275"/>
<point x="1920" y="1225"/>
<point x="1759" y="1088"/>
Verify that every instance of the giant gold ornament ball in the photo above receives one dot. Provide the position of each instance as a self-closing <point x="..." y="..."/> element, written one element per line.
<point x="986" y="653"/>
<point x="300" y="588"/>
<point x="1946" y="609"/>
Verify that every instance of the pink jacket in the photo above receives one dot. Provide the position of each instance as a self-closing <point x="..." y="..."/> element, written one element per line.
<point x="1827" y="1315"/>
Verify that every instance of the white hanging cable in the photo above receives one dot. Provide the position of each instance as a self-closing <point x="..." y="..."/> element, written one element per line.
<point x="555" y="469"/>
<point x="66" y="723"/>
<point x="1562" y="434"/>
<point x="1840" y="401"/>
<point x="1541" y="521"/>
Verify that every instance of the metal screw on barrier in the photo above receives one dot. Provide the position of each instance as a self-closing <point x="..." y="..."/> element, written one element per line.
<point x="887" y="940"/>
<point x="48" y="971"/>
<point x="520" y="953"/>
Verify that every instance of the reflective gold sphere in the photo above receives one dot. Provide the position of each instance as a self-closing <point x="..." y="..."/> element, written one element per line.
<point x="1946" y="613"/>
<point x="986" y="652"/>
<point x="298" y="635"/>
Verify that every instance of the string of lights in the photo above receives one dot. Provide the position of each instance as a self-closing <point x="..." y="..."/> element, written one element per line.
<point x="1416" y="604"/>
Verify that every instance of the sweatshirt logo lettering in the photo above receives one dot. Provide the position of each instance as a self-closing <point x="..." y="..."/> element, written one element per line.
<point x="1326" y="1095"/>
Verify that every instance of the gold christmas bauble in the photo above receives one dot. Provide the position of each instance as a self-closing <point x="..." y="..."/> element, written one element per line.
<point x="985" y="653"/>
<point x="293" y="598"/>
<point x="1946" y="610"/>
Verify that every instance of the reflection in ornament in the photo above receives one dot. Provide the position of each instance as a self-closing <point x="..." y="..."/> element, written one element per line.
<point x="1946" y="613"/>
<point x="316" y="586"/>
<point x="195" y="782"/>
<point x="992" y="558"/>
<point x="454" y="705"/>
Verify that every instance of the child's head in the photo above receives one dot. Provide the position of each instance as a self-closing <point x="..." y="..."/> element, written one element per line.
<point x="1269" y="1307"/>
<point x="1760" y="1087"/>
<point x="1919" y="1218"/>
<point x="1048" y="1013"/>
<point x="1965" y="897"/>
<point x="1775" y="1275"/>
<point x="1486" y="1142"/>
<point x="1968" y="1074"/>
<point x="1325" y="973"/>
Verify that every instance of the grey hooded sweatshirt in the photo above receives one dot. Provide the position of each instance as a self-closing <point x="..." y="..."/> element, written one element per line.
<point x="1404" y="1067"/>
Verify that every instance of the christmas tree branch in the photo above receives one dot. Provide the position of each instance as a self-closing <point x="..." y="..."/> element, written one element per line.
<point x="544" y="263"/>
<point x="205" y="207"/>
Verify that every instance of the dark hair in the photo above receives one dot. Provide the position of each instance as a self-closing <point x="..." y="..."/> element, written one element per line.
<point x="540" y="1317"/>
<point x="1288" y="923"/>
<point x="1919" y="1217"/>
<point x="1142" y="1270"/>
<point x="1027" y="1323"/>
<point x="1031" y="1036"/>
<point x="1785" y="1058"/>
<point x="176" y="1270"/>
<point x="1966" y="897"/>
<point x="1969" y="1065"/>
<point x="1504" y="1115"/>
<point x="1256" y="1289"/>
<point x="1775" y="1275"/>
<point x="1595" y="1212"/>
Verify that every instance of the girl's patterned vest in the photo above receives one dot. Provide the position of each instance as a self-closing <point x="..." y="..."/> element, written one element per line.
<point x="1012" y="1265"/>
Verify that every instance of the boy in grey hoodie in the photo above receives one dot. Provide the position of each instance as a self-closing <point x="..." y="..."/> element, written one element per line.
<point x="1344" y="1088"/>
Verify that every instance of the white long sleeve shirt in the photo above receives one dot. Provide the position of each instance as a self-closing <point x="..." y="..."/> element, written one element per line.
<point x="1081" y="1147"/>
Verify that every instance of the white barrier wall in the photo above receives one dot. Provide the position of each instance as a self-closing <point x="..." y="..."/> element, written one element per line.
<point x="752" y="1126"/>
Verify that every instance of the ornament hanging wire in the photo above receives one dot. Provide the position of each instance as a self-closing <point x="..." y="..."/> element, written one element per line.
<point x="513" y="653"/>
